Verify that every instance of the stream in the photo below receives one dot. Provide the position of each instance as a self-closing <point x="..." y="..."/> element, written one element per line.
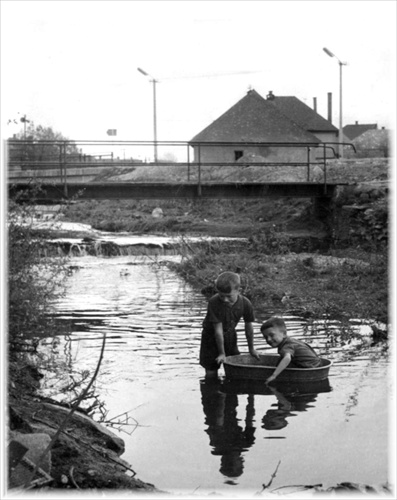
<point x="185" y="435"/>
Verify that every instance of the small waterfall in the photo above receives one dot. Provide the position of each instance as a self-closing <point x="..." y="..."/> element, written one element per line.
<point x="75" y="249"/>
<point x="116" y="245"/>
<point x="101" y="248"/>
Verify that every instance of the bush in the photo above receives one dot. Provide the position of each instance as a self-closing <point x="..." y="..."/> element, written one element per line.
<point x="372" y="226"/>
<point x="271" y="241"/>
<point x="33" y="280"/>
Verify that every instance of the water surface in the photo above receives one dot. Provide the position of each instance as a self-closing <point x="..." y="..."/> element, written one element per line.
<point x="186" y="435"/>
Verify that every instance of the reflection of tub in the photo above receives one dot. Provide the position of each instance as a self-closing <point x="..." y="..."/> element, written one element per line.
<point x="245" y="366"/>
<point x="246" y="386"/>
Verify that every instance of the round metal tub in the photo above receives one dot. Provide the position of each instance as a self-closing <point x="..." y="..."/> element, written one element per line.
<point x="245" y="366"/>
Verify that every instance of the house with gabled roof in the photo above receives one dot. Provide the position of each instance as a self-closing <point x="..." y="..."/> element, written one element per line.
<point x="354" y="131"/>
<point x="304" y="116"/>
<point x="279" y="122"/>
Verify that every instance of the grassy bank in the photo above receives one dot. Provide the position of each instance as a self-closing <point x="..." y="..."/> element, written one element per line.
<point x="339" y="284"/>
<point x="234" y="218"/>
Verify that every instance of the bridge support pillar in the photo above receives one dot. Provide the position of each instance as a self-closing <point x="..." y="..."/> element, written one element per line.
<point x="322" y="207"/>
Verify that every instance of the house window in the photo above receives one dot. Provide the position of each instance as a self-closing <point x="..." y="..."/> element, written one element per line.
<point x="238" y="154"/>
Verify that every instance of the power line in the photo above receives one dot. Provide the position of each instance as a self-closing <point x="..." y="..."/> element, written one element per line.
<point x="212" y="75"/>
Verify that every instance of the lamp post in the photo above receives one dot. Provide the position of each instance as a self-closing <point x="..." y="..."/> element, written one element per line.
<point x="24" y="120"/>
<point x="330" y="54"/>
<point x="154" y="81"/>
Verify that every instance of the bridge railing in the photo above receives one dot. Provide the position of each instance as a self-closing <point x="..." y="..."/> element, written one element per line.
<point x="68" y="160"/>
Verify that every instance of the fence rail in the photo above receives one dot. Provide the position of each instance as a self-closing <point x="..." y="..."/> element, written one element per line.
<point x="63" y="161"/>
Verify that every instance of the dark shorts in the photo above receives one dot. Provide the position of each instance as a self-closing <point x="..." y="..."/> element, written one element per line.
<point x="209" y="350"/>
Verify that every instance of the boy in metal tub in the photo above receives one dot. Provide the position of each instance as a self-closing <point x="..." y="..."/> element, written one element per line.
<point x="219" y="337"/>
<point x="294" y="353"/>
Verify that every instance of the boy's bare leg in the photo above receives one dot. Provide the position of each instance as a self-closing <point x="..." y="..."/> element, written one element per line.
<point x="211" y="373"/>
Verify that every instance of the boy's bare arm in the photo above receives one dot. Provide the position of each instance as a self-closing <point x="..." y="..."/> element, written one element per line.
<point x="219" y="343"/>
<point x="249" y="334"/>
<point x="285" y="361"/>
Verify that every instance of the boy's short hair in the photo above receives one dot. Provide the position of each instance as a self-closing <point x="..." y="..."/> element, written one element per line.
<point x="228" y="281"/>
<point x="274" y="322"/>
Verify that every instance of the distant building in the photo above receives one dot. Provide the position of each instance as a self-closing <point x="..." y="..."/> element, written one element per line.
<point x="354" y="131"/>
<point x="274" y="120"/>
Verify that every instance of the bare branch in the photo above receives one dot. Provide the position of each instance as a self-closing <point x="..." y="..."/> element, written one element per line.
<point x="266" y="486"/>
<point x="68" y="416"/>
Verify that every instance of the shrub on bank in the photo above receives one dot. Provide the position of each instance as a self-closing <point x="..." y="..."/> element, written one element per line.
<point x="33" y="282"/>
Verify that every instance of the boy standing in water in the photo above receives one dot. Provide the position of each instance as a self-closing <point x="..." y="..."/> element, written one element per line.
<point x="294" y="353"/>
<point x="219" y="337"/>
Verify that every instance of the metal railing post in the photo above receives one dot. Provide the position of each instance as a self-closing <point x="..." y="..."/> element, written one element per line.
<point x="60" y="162"/>
<point x="325" y="170"/>
<point x="188" y="163"/>
<point x="199" y="170"/>
<point x="65" y="181"/>
<point x="308" y="164"/>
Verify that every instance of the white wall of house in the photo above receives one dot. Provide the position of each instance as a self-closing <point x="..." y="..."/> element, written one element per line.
<point x="326" y="136"/>
<point x="231" y="154"/>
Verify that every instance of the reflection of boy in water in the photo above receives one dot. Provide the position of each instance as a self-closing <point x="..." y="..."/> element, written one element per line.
<point x="227" y="438"/>
<point x="219" y="337"/>
<point x="277" y="419"/>
<point x="294" y="353"/>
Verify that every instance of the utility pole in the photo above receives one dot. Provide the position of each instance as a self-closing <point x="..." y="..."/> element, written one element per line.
<point x="330" y="54"/>
<point x="154" y="81"/>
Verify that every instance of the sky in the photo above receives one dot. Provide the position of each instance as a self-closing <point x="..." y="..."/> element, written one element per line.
<point x="72" y="65"/>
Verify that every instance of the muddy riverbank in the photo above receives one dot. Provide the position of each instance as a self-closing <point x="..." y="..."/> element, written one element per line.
<point x="85" y="456"/>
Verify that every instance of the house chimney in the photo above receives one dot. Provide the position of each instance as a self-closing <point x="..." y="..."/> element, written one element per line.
<point x="270" y="96"/>
<point x="330" y="107"/>
<point x="315" y="104"/>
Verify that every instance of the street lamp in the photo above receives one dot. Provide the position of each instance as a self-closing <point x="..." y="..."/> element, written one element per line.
<point x="24" y="120"/>
<point x="330" y="54"/>
<point x="154" y="81"/>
